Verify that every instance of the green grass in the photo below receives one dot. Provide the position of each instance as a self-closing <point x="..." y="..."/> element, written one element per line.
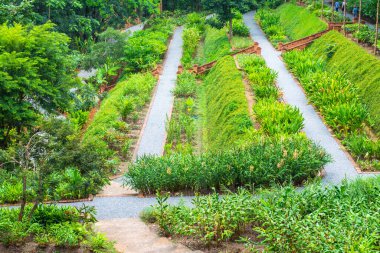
<point x="225" y="107"/>
<point x="299" y="22"/>
<point x="360" y="67"/>
<point x="216" y="45"/>
<point x="239" y="42"/>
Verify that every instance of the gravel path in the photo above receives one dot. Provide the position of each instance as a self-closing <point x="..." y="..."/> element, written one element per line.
<point x="315" y="129"/>
<point x="154" y="134"/>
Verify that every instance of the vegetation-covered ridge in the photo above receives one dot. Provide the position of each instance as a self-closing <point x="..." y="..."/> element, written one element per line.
<point x="298" y="22"/>
<point x="224" y="107"/>
<point x="316" y="219"/>
<point x="360" y="67"/>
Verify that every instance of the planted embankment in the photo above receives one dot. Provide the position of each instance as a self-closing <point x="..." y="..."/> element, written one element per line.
<point x="260" y="160"/>
<point x="299" y="22"/>
<point x="118" y="112"/>
<point x="340" y="101"/>
<point x="360" y="67"/>
<point x="224" y="107"/>
<point x="216" y="45"/>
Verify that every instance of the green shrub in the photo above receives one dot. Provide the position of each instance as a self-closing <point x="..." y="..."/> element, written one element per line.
<point x="360" y="67"/>
<point x="239" y="28"/>
<point x="278" y="118"/>
<point x="191" y="38"/>
<point x="270" y="23"/>
<point x="224" y="106"/>
<point x="261" y="163"/>
<point x="299" y="22"/>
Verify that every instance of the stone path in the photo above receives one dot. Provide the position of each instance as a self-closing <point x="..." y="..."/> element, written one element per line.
<point x="153" y="137"/>
<point x="315" y="129"/>
<point x="133" y="236"/>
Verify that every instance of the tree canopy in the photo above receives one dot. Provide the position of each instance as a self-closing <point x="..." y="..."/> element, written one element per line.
<point x="35" y="75"/>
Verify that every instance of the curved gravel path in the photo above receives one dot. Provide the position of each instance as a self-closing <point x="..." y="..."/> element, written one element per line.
<point x="341" y="167"/>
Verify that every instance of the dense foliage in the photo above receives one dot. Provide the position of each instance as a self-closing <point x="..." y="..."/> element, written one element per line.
<point x="80" y="19"/>
<point x="269" y="21"/>
<point x="316" y="219"/>
<point x="216" y="45"/>
<point x="61" y="227"/>
<point x="339" y="102"/>
<point x="224" y="107"/>
<point x="145" y="49"/>
<point x="261" y="163"/>
<point x="35" y="76"/>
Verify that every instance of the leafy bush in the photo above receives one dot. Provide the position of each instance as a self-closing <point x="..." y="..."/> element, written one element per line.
<point x="270" y="23"/>
<point x="191" y="38"/>
<point x="111" y="124"/>
<point x="278" y="118"/>
<point x="145" y="49"/>
<point x="261" y="163"/>
<point x="224" y="106"/>
<point x="65" y="227"/>
<point x="239" y="28"/>
<point x="215" y="22"/>
<point x="316" y="219"/>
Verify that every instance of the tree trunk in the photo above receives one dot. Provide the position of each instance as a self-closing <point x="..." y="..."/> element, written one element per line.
<point x="23" y="198"/>
<point x="360" y="16"/>
<point x="230" y="32"/>
<point x="39" y="197"/>
<point x="377" y="26"/>
<point x="332" y="13"/>
<point x="323" y="8"/>
<point x="344" y="18"/>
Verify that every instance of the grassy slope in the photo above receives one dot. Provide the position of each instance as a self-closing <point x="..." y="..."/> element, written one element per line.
<point x="361" y="68"/>
<point x="225" y="106"/>
<point x="299" y="22"/>
<point x="216" y="45"/>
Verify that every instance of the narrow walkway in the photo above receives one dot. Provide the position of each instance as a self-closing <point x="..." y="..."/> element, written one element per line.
<point x="315" y="129"/>
<point x="153" y="136"/>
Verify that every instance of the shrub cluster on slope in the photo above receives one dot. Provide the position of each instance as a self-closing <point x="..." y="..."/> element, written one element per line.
<point x="216" y="45"/>
<point x="340" y="104"/>
<point x="225" y="108"/>
<point x="316" y="219"/>
<point x="118" y="111"/>
<point x="261" y="163"/>
<point x="360" y="67"/>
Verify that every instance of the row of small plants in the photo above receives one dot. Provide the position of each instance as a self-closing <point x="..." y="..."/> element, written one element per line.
<point x="315" y="219"/>
<point x="53" y="226"/>
<point x="260" y="163"/>
<point x="273" y="116"/>
<point x="181" y="128"/>
<point x="340" y="104"/>
<point x="269" y="21"/>
<point x="365" y="34"/>
<point x="117" y="115"/>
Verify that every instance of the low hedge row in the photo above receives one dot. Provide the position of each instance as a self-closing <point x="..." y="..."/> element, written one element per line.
<point x="262" y="163"/>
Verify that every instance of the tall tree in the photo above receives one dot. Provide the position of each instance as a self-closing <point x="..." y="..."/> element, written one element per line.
<point x="224" y="9"/>
<point x="35" y="75"/>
